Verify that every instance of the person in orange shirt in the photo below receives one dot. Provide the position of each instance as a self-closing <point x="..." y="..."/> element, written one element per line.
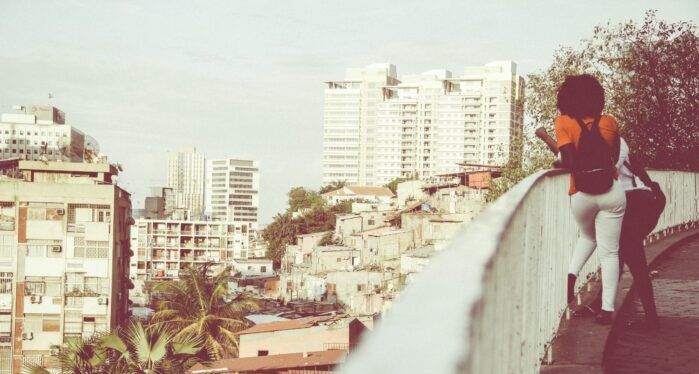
<point x="589" y="146"/>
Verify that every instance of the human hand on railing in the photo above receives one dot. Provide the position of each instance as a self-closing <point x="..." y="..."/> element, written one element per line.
<point x="558" y="164"/>
<point x="542" y="134"/>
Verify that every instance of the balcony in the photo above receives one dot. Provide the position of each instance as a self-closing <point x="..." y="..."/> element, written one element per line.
<point x="493" y="301"/>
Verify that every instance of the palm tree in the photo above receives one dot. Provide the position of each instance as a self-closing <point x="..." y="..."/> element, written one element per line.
<point x="76" y="357"/>
<point x="196" y="305"/>
<point x="133" y="349"/>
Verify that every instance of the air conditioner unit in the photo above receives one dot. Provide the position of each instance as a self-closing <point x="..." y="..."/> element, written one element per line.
<point x="56" y="248"/>
<point x="60" y="211"/>
<point x="55" y="350"/>
<point x="102" y="301"/>
<point x="35" y="299"/>
<point x="27" y="336"/>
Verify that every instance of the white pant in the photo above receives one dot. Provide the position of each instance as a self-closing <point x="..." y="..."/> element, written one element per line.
<point x="599" y="218"/>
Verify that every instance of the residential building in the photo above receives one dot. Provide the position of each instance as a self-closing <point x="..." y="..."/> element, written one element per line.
<point x="164" y="247"/>
<point x="232" y="190"/>
<point x="64" y="255"/>
<point x="381" y="195"/>
<point x="160" y="205"/>
<point x="186" y="178"/>
<point x="320" y="362"/>
<point x="39" y="132"/>
<point x="254" y="267"/>
<point x="349" y="123"/>
<point x="425" y="125"/>
<point x="308" y="334"/>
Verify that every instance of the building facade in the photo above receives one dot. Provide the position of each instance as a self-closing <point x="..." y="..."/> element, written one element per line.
<point x="232" y="191"/>
<point x="186" y="177"/>
<point x="425" y="125"/>
<point x="64" y="257"/>
<point x="349" y="123"/>
<point x="163" y="247"/>
<point x="39" y="132"/>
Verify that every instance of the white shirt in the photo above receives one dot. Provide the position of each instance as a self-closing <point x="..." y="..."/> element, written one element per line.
<point x="626" y="176"/>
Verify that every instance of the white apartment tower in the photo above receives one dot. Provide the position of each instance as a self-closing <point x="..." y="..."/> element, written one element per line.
<point x="232" y="191"/>
<point x="39" y="132"/>
<point x="186" y="177"/>
<point x="430" y="123"/>
<point x="349" y="123"/>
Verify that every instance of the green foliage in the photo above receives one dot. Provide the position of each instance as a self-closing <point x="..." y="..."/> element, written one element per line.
<point x="650" y="72"/>
<point x="128" y="349"/>
<point x="318" y="217"/>
<point x="196" y="306"/>
<point x="327" y="239"/>
<point x="301" y="198"/>
<point x="332" y="186"/>
<point x="393" y="185"/>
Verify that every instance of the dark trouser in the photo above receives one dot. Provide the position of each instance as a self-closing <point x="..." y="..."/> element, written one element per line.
<point x="639" y="221"/>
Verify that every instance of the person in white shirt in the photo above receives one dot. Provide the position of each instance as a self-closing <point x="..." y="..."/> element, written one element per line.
<point x="644" y="204"/>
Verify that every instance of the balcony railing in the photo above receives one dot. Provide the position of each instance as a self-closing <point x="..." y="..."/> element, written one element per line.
<point x="491" y="302"/>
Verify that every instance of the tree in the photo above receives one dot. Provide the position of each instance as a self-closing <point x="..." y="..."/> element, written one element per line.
<point x="301" y="198"/>
<point x="393" y="185"/>
<point x="127" y="349"/>
<point x="195" y="305"/>
<point x="336" y="185"/>
<point x="76" y="357"/>
<point x="278" y="234"/>
<point x="650" y="72"/>
<point x="133" y="349"/>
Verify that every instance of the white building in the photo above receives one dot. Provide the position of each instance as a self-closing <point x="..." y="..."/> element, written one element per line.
<point x="39" y="132"/>
<point x="349" y="123"/>
<point x="163" y="247"/>
<point x="425" y="125"/>
<point x="186" y="177"/>
<point x="381" y="195"/>
<point x="253" y="267"/>
<point x="64" y="255"/>
<point x="232" y="190"/>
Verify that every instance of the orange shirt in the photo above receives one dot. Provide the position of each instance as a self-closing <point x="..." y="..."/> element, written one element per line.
<point x="568" y="131"/>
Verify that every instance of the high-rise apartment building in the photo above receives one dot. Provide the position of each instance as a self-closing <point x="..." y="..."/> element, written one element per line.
<point x="428" y="124"/>
<point x="39" y="132"/>
<point x="232" y="191"/>
<point x="349" y="123"/>
<point x="64" y="256"/>
<point x="186" y="177"/>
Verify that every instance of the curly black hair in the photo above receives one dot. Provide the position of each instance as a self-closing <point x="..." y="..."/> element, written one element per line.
<point x="580" y="96"/>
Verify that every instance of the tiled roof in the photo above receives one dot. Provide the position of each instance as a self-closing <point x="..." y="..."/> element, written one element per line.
<point x="273" y="362"/>
<point x="299" y="323"/>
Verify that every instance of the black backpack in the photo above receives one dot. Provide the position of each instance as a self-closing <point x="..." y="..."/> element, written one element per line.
<point x="593" y="170"/>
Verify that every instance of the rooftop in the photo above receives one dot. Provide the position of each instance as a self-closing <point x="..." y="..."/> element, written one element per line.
<point x="294" y="324"/>
<point x="360" y="190"/>
<point x="274" y="362"/>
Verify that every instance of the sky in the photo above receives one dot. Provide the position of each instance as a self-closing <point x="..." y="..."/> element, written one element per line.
<point x="243" y="79"/>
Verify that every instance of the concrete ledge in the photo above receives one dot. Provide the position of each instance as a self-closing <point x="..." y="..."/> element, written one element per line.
<point x="580" y="344"/>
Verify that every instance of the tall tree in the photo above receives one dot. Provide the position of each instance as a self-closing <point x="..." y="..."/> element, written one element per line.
<point x="278" y="234"/>
<point x="650" y="71"/>
<point x="196" y="305"/>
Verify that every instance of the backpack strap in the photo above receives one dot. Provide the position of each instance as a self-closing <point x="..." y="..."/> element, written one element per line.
<point x="642" y="175"/>
<point x="583" y="126"/>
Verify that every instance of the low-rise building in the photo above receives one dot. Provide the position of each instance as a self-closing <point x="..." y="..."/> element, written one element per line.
<point x="253" y="267"/>
<point x="414" y="261"/>
<point x="308" y="334"/>
<point x="364" y="193"/>
<point x="334" y="258"/>
<point x="307" y="242"/>
<point x="320" y="362"/>
<point x="64" y="256"/>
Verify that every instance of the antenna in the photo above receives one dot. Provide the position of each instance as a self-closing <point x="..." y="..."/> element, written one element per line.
<point x="50" y="97"/>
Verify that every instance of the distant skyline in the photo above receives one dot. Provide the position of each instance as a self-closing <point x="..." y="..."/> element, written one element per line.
<point x="244" y="79"/>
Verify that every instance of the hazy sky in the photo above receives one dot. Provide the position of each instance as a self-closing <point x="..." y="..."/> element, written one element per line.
<point x="244" y="78"/>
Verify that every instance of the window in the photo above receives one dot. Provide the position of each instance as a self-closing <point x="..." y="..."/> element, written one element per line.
<point x="360" y="287"/>
<point x="263" y="269"/>
<point x="35" y="288"/>
<point x="51" y="324"/>
<point x="5" y="283"/>
<point x="262" y="353"/>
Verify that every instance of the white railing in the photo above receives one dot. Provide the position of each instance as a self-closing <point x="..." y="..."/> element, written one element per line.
<point x="492" y="301"/>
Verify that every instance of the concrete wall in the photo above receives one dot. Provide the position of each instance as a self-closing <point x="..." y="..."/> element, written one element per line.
<point x="310" y="339"/>
<point x="502" y="281"/>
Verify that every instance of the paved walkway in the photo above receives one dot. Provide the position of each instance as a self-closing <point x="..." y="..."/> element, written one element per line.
<point x="674" y="347"/>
